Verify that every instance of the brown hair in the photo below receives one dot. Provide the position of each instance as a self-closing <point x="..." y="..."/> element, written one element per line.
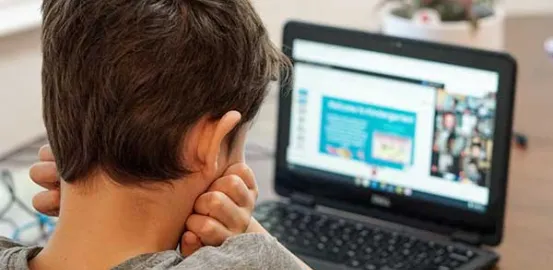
<point x="124" y="80"/>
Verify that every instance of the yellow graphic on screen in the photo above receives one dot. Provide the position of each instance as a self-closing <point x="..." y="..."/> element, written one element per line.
<point x="392" y="148"/>
<point x="344" y="153"/>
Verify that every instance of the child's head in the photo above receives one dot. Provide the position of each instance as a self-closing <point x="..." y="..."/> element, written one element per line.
<point x="139" y="89"/>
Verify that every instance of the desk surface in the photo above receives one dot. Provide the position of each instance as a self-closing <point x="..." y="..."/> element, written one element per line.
<point x="528" y="242"/>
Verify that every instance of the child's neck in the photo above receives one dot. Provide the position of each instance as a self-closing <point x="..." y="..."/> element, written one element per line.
<point x="103" y="227"/>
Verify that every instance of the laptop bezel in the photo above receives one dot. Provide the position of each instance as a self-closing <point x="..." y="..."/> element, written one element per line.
<point x="489" y="225"/>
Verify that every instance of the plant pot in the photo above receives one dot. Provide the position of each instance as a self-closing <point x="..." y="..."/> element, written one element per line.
<point x="489" y="34"/>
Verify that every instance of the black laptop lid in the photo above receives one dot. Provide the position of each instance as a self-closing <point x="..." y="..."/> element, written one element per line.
<point x="378" y="124"/>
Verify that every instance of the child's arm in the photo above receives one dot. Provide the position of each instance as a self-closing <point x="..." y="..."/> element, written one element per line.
<point x="255" y="227"/>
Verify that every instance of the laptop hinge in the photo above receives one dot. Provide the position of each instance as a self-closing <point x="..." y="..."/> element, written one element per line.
<point x="469" y="238"/>
<point x="302" y="199"/>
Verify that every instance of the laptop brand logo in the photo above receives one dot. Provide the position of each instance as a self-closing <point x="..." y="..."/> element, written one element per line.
<point x="381" y="201"/>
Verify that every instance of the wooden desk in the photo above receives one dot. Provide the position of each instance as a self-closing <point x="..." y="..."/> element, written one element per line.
<point x="528" y="242"/>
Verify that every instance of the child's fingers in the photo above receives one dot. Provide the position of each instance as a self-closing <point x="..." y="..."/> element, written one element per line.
<point x="210" y="231"/>
<point x="45" y="174"/>
<point x="245" y="173"/>
<point x="45" y="153"/>
<point x="236" y="189"/>
<point x="219" y="206"/>
<point x="190" y="243"/>
<point x="47" y="202"/>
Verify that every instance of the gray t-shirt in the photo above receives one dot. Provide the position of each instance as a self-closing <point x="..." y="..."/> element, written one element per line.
<point x="247" y="251"/>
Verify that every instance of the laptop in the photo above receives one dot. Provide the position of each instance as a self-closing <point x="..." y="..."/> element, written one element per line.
<point x="391" y="153"/>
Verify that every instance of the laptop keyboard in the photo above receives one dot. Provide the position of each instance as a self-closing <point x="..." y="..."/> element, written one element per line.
<point x="357" y="245"/>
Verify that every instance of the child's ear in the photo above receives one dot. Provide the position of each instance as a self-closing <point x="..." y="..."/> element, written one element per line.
<point x="212" y="142"/>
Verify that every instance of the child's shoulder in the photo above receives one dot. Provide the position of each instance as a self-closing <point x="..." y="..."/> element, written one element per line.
<point x="14" y="255"/>
<point x="246" y="251"/>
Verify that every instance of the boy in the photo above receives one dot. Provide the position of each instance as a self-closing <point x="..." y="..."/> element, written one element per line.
<point x="146" y="105"/>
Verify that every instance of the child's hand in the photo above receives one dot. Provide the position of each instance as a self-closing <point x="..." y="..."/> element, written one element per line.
<point x="224" y="211"/>
<point x="44" y="173"/>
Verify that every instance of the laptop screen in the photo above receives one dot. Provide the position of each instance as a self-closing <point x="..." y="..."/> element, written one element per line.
<point x="393" y="124"/>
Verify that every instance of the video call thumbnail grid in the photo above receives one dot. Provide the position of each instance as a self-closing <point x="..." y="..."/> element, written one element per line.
<point x="463" y="138"/>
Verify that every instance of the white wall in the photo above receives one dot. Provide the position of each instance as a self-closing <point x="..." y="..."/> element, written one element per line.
<point x="20" y="97"/>
<point x="20" y="119"/>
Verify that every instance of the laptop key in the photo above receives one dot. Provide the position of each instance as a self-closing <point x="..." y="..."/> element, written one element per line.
<point x="291" y="239"/>
<point x="321" y="246"/>
<point x="351" y="254"/>
<point x="354" y="263"/>
<point x="267" y="225"/>
<point x="288" y="223"/>
<point x="309" y="235"/>
<point x="454" y="264"/>
<point x="458" y="257"/>
<point x="439" y="260"/>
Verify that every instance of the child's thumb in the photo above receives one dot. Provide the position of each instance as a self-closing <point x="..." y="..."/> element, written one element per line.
<point x="190" y="243"/>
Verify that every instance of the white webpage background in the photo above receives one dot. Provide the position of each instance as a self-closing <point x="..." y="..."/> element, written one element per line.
<point x="458" y="80"/>
<point x="321" y="81"/>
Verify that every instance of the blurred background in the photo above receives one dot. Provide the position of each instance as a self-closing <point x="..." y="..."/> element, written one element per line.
<point x="20" y="47"/>
<point x="523" y="30"/>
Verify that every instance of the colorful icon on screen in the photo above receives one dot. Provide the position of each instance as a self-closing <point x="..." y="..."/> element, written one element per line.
<point x="343" y="152"/>
<point x="331" y="150"/>
<point x="361" y="155"/>
<point x="374" y="185"/>
<point x="399" y="190"/>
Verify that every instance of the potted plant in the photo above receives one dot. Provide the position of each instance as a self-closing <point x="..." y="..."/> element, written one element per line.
<point x="472" y="23"/>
